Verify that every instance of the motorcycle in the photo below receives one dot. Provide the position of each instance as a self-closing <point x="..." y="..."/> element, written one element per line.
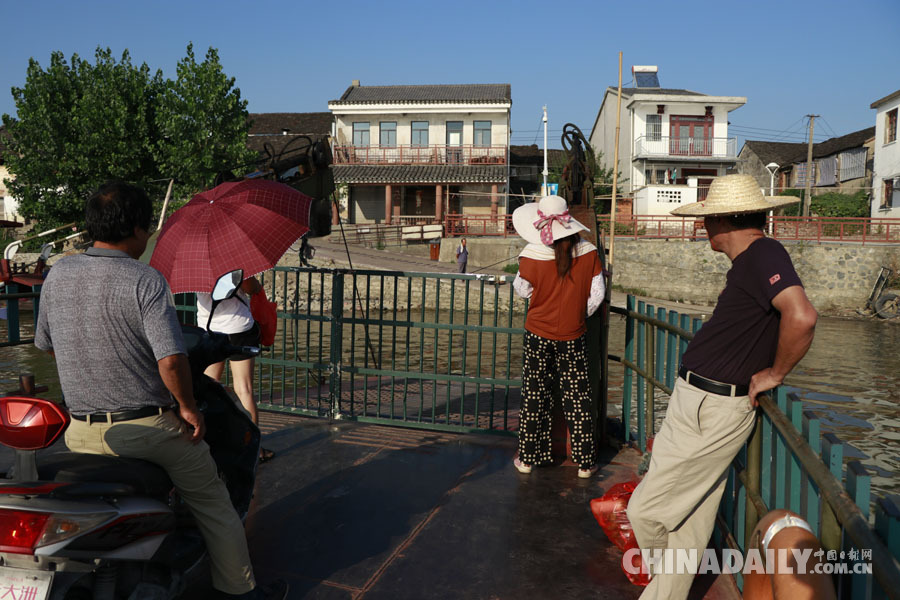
<point x="80" y="526"/>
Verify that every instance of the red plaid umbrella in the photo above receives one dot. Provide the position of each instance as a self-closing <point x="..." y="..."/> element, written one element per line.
<point x="245" y="225"/>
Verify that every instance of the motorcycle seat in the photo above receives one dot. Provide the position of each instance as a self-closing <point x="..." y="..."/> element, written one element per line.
<point x="144" y="478"/>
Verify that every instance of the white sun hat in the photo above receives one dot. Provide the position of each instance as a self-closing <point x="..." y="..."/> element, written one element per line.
<point x="733" y="195"/>
<point x="546" y="221"/>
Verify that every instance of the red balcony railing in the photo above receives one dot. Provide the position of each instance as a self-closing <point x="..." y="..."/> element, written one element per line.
<point x="420" y="155"/>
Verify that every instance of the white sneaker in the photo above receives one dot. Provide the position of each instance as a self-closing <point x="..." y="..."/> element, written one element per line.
<point x="588" y="473"/>
<point x="521" y="467"/>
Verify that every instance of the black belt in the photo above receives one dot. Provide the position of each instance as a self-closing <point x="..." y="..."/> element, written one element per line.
<point x="712" y="386"/>
<point x="122" y="415"/>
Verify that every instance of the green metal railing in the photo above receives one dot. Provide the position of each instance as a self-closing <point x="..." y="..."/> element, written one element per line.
<point x="429" y="350"/>
<point x="787" y="463"/>
<point x="12" y="296"/>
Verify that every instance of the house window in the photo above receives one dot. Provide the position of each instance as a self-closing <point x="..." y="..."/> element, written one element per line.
<point x="361" y="134"/>
<point x="387" y="131"/>
<point x="654" y="128"/>
<point x="482" y="133"/>
<point x="419" y="133"/>
<point x="890" y="126"/>
<point x="454" y="142"/>
<point x="888" y="200"/>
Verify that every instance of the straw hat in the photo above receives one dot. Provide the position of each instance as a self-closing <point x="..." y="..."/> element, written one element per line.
<point x="546" y="221"/>
<point x="733" y="195"/>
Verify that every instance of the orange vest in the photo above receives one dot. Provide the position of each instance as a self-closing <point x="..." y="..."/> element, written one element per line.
<point x="558" y="307"/>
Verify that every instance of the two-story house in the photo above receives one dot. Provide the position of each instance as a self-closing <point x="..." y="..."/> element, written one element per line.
<point x="886" y="176"/>
<point x="840" y="164"/>
<point x="672" y="142"/>
<point x="419" y="152"/>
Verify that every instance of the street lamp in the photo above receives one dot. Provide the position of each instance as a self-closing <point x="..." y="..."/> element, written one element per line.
<point x="772" y="168"/>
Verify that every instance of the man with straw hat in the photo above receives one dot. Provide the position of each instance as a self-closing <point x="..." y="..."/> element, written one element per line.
<point x="761" y="327"/>
<point x="562" y="276"/>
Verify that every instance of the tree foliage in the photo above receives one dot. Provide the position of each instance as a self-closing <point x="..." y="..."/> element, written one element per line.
<point x="202" y="124"/>
<point x="831" y="204"/>
<point x="79" y="124"/>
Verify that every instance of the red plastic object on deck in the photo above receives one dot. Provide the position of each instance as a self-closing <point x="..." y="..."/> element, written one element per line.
<point x="609" y="510"/>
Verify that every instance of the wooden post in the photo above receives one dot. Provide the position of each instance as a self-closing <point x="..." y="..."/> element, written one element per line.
<point x="494" y="200"/>
<point x="612" y="206"/>
<point x="439" y="203"/>
<point x="388" y="205"/>
<point x="165" y="206"/>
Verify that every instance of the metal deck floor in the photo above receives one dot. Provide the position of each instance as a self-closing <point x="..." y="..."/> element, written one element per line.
<point x="349" y="510"/>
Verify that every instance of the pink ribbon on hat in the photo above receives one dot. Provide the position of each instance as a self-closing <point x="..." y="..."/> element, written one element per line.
<point x="544" y="224"/>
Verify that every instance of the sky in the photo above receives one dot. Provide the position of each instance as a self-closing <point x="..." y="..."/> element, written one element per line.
<point x="789" y="58"/>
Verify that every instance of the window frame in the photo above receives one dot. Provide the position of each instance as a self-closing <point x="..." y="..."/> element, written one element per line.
<point x="648" y="133"/>
<point x="360" y="130"/>
<point x="888" y="200"/>
<point x="382" y="131"/>
<point x="890" y="125"/>
<point x="412" y="133"/>
<point x="476" y="141"/>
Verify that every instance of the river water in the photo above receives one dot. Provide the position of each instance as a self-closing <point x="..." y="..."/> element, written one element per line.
<point x="850" y="378"/>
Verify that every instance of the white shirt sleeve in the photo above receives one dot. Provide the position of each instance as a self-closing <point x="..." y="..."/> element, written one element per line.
<point x="598" y="291"/>
<point x="522" y="286"/>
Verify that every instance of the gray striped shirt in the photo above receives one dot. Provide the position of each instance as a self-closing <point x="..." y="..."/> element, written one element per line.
<point x="108" y="319"/>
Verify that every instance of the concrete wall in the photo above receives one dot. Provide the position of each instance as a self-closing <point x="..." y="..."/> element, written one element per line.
<point x="836" y="277"/>
<point x="887" y="164"/>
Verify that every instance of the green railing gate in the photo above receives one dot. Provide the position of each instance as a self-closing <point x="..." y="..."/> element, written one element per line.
<point x="438" y="351"/>
<point x="787" y="463"/>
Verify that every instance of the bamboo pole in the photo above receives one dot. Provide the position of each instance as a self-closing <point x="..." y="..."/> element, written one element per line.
<point x="165" y="206"/>
<point x="612" y="208"/>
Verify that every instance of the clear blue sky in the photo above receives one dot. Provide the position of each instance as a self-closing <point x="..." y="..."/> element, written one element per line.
<point x="788" y="57"/>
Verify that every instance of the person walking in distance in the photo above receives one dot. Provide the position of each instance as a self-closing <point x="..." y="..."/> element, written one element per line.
<point x="562" y="276"/>
<point x="462" y="256"/>
<point x="761" y="327"/>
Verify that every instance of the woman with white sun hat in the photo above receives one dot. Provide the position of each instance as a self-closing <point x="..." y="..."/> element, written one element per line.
<point x="562" y="276"/>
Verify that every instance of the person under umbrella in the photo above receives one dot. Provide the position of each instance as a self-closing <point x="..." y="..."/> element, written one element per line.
<point x="246" y="225"/>
<point x="563" y="277"/>
<point x="234" y="318"/>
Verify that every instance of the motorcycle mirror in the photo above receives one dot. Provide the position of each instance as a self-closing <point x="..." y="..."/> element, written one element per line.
<point x="227" y="285"/>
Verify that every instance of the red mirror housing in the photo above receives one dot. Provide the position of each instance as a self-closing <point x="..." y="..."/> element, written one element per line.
<point x="30" y="423"/>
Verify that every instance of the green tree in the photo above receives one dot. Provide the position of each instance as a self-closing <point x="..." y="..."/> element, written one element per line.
<point x="80" y="124"/>
<point x="77" y="126"/>
<point x="203" y="125"/>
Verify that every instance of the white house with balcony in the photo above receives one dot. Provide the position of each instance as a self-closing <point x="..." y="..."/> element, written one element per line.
<point x="419" y="152"/>
<point x="886" y="169"/>
<point x="672" y="142"/>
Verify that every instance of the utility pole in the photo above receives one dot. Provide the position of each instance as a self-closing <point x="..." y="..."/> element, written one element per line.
<point x="546" y="172"/>
<point x="810" y="167"/>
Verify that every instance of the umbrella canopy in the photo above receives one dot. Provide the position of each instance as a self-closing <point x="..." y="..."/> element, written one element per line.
<point x="245" y="225"/>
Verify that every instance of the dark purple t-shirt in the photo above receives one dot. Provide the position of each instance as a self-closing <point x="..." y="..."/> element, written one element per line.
<point x="741" y="337"/>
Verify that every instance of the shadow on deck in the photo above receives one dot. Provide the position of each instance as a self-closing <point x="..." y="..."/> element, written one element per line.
<point x="350" y="510"/>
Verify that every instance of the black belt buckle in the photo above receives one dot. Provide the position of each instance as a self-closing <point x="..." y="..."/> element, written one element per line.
<point x="711" y="386"/>
<point x="122" y="415"/>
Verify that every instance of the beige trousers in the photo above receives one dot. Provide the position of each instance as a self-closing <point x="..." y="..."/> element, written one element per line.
<point x="675" y="504"/>
<point x="161" y="439"/>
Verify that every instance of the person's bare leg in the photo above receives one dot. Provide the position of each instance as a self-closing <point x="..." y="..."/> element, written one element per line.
<point x="215" y="370"/>
<point x="242" y="381"/>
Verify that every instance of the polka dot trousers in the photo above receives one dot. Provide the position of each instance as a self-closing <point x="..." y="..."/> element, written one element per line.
<point x="565" y="362"/>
